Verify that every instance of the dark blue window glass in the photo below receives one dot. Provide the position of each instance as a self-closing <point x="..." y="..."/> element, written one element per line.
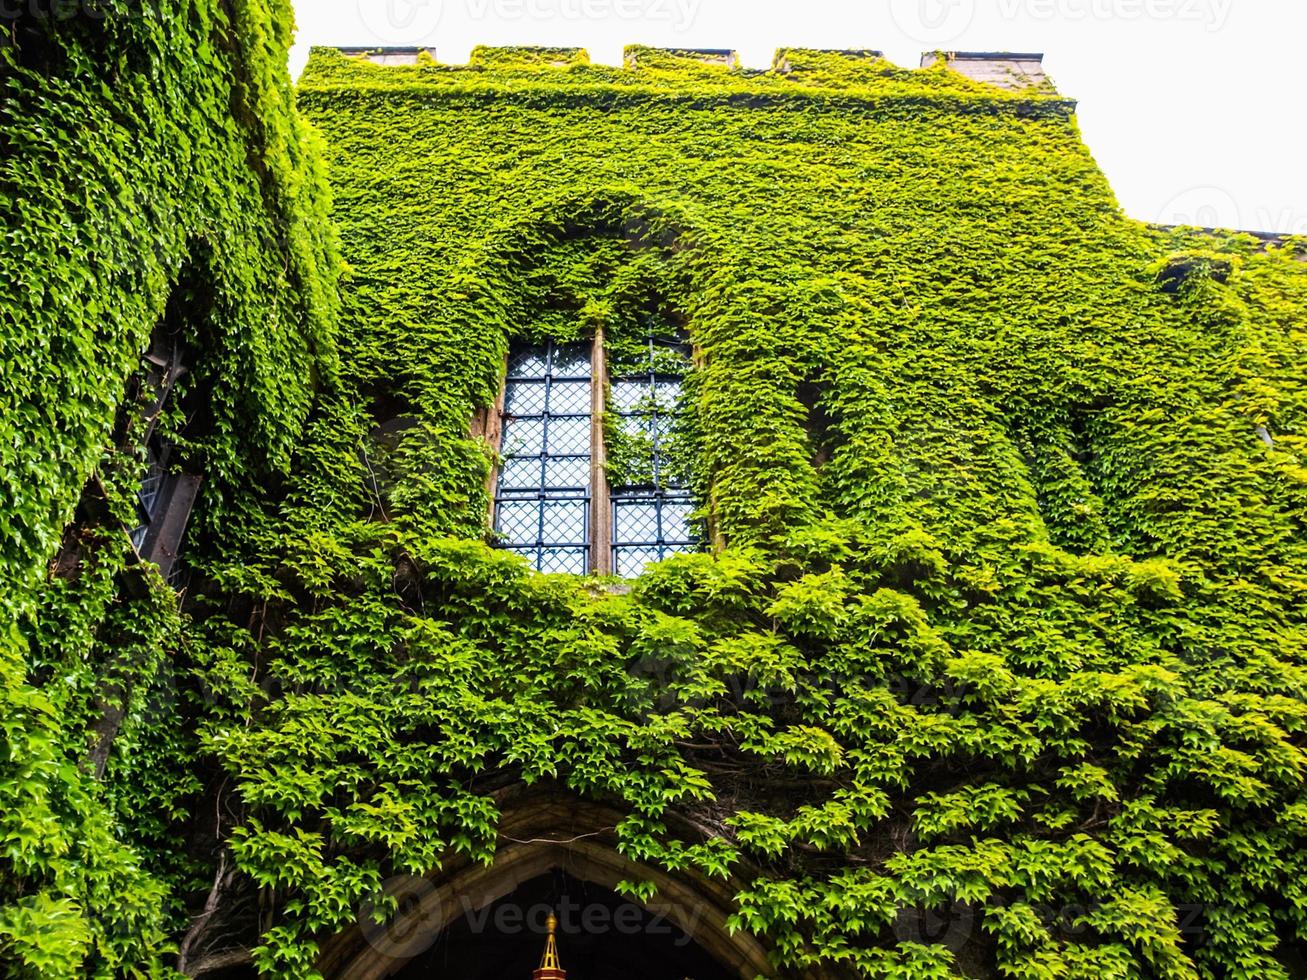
<point x="542" y="499"/>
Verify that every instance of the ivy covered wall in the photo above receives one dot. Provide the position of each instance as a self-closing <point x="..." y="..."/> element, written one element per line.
<point x="1004" y="618"/>
<point x="1008" y="622"/>
<point x="152" y="171"/>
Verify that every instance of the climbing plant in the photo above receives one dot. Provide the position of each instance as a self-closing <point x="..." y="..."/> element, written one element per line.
<point x="995" y="667"/>
<point x="1007" y="628"/>
<point x="150" y="159"/>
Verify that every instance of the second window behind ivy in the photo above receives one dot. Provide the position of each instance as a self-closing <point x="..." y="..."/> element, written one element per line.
<point x="650" y="491"/>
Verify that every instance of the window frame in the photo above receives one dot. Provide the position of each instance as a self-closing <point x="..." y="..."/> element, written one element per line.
<point x="538" y="491"/>
<point x="157" y="538"/>
<point x="601" y="543"/>
<point x="657" y="495"/>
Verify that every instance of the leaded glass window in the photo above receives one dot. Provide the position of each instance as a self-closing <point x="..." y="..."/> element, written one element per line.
<point x="651" y="505"/>
<point x="149" y="494"/>
<point x="166" y="494"/>
<point x="543" y="497"/>
<point x="564" y="497"/>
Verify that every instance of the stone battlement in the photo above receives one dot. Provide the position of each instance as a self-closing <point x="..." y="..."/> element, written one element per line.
<point x="1006" y="70"/>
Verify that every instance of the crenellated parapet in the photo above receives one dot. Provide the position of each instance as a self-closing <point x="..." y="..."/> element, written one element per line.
<point x="1020" y="74"/>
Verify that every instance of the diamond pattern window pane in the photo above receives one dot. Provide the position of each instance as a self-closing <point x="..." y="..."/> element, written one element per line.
<point x="564" y="521"/>
<point x="521" y="473"/>
<point x="151" y="484"/>
<point x="523" y="437"/>
<point x="626" y="394"/>
<point x="562" y="560"/>
<point x="571" y="361"/>
<point x="629" y="562"/>
<point x="667" y="393"/>
<point x="525" y="398"/>
<point x="635" y="521"/>
<point x="569" y="398"/>
<point x="568" y="436"/>
<point x="637" y="426"/>
<point x="527" y="361"/>
<point x="519" y="521"/>
<point x="676" y="520"/>
<point x="663" y="426"/>
<point x="571" y="472"/>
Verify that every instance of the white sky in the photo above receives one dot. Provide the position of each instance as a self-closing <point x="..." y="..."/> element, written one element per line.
<point x="1194" y="108"/>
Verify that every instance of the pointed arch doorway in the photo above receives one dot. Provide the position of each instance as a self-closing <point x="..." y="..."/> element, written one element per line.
<point x="468" y="921"/>
<point x="598" y="933"/>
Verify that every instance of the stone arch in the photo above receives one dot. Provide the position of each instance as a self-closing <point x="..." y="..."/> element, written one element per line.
<point x="477" y="288"/>
<point x="668" y="223"/>
<point x="719" y="302"/>
<point x="490" y="295"/>
<point x="537" y="835"/>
